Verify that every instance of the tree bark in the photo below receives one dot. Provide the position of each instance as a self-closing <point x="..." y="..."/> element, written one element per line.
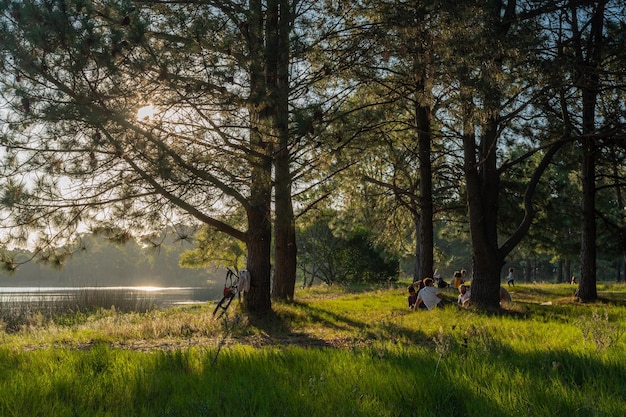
<point x="589" y="70"/>
<point x="259" y="234"/>
<point x="587" y="286"/>
<point x="482" y="183"/>
<point x="285" y="250"/>
<point x="258" y="300"/>
<point x="568" y="271"/>
<point x="425" y="230"/>
<point x="417" y="265"/>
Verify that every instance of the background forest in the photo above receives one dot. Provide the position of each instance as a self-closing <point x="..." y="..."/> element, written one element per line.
<point x="469" y="134"/>
<point x="103" y="263"/>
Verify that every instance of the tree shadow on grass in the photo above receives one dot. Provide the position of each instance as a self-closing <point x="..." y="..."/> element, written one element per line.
<point x="612" y="298"/>
<point x="338" y="330"/>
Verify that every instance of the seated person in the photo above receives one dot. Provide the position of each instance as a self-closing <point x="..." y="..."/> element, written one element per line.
<point x="441" y="283"/>
<point x="412" y="296"/>
<point x="464" y="295"/>
<point x="419" y="284"/>
<point x="429" y="297"/>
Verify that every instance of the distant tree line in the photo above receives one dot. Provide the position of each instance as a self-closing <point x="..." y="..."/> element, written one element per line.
<point x="105" y="263"/>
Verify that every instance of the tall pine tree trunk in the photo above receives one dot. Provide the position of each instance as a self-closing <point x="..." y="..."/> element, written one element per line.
<point x="587" y="286"/>
<point x="425" y="230"/>
<point x="589" y="70"/>
<point x="259" y="234"/>
<point x="417" y="265"/>
<point x="620" y="203"/>
<point x="482" y="182"/>
<point x="482" y="177"/>
<point x="568" y="270"/>
<point x="285" y="251"/>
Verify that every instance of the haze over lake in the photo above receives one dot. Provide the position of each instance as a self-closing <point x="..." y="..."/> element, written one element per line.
<point x="105" y="273"/>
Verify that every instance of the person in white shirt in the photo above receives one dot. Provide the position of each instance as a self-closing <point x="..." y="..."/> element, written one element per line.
<point x="429" y="295"/>
<point x="510" y="278"/>
<point x="464" y="295"/>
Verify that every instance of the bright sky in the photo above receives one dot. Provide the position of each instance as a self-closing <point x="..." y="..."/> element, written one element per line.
<point x="146" y="112"/>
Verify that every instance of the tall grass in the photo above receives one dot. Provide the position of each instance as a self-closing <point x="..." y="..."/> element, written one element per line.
<point x="336" y="353"/>
<point x="17" y="314"/>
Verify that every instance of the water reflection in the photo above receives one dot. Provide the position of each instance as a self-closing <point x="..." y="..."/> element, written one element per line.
<point x="160" y="296"/>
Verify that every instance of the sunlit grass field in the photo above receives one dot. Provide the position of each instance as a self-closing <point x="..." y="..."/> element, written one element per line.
<point x="333" y="352"/>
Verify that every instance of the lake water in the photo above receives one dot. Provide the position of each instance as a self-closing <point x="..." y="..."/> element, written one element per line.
<point x="162" y="296"/>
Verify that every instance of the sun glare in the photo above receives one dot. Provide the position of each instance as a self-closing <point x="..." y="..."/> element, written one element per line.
<point x="146" y="112"/>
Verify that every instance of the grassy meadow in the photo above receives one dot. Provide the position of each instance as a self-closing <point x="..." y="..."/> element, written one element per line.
<point x="334" y="352"/>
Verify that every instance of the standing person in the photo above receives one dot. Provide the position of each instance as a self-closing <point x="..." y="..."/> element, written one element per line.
<point x="463" y="276"/>
<point x="429" y="296"/>
<point x="458" y="279"/>
<point x="510" y="278"/>
<point x="436" y="276"/>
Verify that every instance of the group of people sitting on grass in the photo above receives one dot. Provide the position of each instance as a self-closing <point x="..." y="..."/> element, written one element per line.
<point x="423" y="294"/>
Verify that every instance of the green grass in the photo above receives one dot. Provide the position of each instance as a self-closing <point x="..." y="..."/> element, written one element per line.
<point x="334" y="352"/>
